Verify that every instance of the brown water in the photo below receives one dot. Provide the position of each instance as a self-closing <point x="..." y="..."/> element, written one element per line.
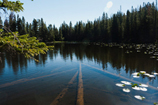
<point x="77" y="74"/>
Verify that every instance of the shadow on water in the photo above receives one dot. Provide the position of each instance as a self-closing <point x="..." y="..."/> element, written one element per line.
<point x="103" y="55"/>
<point x="116" y="57"/>
<point x="57" y="77"/>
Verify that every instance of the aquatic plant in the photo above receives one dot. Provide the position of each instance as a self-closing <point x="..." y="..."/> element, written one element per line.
<point x="139" y="97"/>
<point x="136" y="88"/>
<point x="143" y="85"/>
<point x="120" y="85"/>
<point x="143" y="89"/>
<point x="142" y="72"/>
<point x="146" y="74"/>
<point x="138" y="74"/>
<point x="133" y="85"/>
<point x="126" y="90"/>
<point x="151" y="76"/>
<point x="135" y="73"/>
<point x="155" y="73"/>
<point x="135" y="76"/>
<point x="155" y="103"/>
<point x="126" y="82"/>
<point x="153" y="57"/>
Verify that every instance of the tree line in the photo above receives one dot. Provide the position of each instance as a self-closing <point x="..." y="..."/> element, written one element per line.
<point x="136" y="26"/>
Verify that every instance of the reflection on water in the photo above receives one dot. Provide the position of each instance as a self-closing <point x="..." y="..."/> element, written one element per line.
<point x="40" y="83"/>
<point x="116" y="57"/>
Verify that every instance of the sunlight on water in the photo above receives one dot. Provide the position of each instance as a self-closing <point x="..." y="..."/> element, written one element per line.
<point x="79" y="73"/>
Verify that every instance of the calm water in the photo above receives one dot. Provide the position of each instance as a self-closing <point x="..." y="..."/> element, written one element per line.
<point x="69" y="68"/>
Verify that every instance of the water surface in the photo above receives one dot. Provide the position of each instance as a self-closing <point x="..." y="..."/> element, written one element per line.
<point x="56" y="78"/>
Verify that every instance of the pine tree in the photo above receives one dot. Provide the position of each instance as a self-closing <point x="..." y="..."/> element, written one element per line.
<point x="60" y="34"/>
<point x="51" y="36"/>
<point x="70" y="31"/>
<point x="27" y="27"/>
<point x="23" y="26"/>
<point x="1" y="22"/>
<point x="35" y="28"/>
<point x="19" y="25"/>
<point x="12" y="22"/>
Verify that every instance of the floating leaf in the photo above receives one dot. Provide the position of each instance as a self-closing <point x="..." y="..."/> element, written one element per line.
<point x="126" y="82"/>
<point x="136" y="88"/>
<point x="120" y="85"/>
<point x="135" y="73"/>
<point x="139" y="97"/>
<point x="155" y="103"/>
<point x="126" y="90"/>
<point x="143" y="85"/>
<point x="151" y="76"/>
<point x="146" y="74"/>
<point x="155" y="73"/>
<point x="135" y="76"/>
<point x="143" y="89"/>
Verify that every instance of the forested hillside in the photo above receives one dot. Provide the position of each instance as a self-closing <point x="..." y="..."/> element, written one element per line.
<point x="139" y="25"/>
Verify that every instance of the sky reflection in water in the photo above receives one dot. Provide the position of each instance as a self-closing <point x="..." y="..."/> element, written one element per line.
<point x="102" y="68"/>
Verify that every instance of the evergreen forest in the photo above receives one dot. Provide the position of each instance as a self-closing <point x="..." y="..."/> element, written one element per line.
<point x="140" y="25"/>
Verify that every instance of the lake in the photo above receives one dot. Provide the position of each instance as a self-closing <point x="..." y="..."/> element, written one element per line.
<point x="77" y="74"/>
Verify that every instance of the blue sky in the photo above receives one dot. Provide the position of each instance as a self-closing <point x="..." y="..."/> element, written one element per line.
<point x="57" y="11"/>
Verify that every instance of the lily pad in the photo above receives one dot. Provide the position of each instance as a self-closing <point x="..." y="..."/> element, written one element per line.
<point x="155" y="103"/>
<point x="126" y="90"/>
<point x="138" y="74"/>
<point x="155" y="73"/>
<point x="142" y="71"/>
<point x="120" y="85"/>
<point x="151" y="76"/>
<point x="146" y="74"/>
<point x="135" y="73"/>
<point x="139" y="97"/>
<point x="126" y="82"/>
<point x="143" y="89"/>
<point x="143" y="85"/>
<point x="133" y="85"/>
<point x="135" y="76"/>
<point x="136" y="88"/>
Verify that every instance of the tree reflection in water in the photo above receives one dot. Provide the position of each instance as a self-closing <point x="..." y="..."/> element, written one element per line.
<point x="115" y="56"/>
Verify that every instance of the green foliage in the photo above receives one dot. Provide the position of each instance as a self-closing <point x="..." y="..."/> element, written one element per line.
<point x="138" y="74"/>
<point x="155" y="103"/>
<point x="133" y="85"/>
<point x="142" y="97"/>
<point x="29" y="46"/>
<point x="124" y="85"/>
<point x="1" y="30"/>
<point x="11" y="41"/>
<point x="137" y="26"/>
<point x="16" y="6"/>
<point x="141" y="73"/>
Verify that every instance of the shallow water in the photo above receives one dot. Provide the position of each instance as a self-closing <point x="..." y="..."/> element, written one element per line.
<point x="73" y="73"/>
